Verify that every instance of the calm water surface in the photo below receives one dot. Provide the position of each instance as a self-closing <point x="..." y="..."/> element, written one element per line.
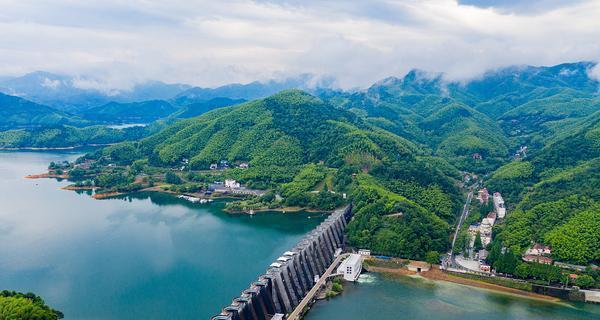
<point x="380" y="297"/>
<point x="152" y="256"/>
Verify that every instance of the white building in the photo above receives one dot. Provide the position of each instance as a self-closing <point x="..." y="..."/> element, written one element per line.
<point x="351" y="267"/>
<point x="539" y="250"/>
<point x="232" y="184"/>
<point x="364" y="252"/>
<point x="499" y="205"/>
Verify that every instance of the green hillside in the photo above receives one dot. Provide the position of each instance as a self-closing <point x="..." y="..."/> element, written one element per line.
<point x="69" y="136"/>
<point x="558" y="194"/>
<point x="310" y="153"/>
<point x="16" y="112"/>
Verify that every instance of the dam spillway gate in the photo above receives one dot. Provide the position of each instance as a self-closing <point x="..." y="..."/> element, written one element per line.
<point x="291" y="276"/>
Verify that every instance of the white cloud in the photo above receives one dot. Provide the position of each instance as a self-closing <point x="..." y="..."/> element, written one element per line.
<point x="210" y="43"/>
<point x="49" y="83"/>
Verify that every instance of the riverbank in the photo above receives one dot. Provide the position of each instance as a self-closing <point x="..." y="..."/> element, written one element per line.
<point x="435" y="274"/>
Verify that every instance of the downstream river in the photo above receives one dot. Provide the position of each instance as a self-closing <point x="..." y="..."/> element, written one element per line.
<point x="151" y="256"/>
<point x="154" y="256"/>
<point x="381" y="297"/>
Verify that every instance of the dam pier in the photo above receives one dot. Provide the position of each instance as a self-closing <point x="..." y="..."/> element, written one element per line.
<point x="294" y="275"/>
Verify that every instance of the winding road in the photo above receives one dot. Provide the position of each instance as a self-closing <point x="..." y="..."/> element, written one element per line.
<point x="463" y="216"/>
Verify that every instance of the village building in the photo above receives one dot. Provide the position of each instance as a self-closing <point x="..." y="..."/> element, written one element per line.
<point x="538" y="259"/>
<point x="477" y="156"/>
<point x="243" y="166"/>
<point x="538" y="250"/>
<point x="483" y="196"/>
<point x="499" y="205"/>
<point x="485" y="231"/>
<point x="214" y="166"/>
<point x="232" y="184"/>
<point x="419" y="266"/>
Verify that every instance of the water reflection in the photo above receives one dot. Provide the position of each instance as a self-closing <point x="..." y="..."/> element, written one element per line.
<point x="149" y="256"/>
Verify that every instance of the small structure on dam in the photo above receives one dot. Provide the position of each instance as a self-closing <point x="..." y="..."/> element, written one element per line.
<point x="292" y="275"/>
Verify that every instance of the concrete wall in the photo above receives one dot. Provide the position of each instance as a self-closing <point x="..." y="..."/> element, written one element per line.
<point x="281" y="289"/>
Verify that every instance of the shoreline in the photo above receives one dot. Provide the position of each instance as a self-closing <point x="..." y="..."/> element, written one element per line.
<point x="437" y="275"/>
<point x="158" y="189"/>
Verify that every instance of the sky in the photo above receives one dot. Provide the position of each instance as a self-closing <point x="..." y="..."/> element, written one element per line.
<point x="211" y="43"/>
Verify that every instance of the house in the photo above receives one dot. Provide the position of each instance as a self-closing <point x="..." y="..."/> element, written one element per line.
<point x="485" y="267"/>
<point x="483" y="196"/>
<point x="351" y="267"/>
<point x="485" y="240"/>
<point x="485" y="231"/>
<point x="231" y="184"/>
<point x="491" y="217"/>
<point x="499" y="205"/>
<point x="538" y="250"/>
<point x="538" y="259"/>
<point x="243" y="166"/>
<point x="419" y="266"/>
<point x="364" y="252"/>
<point x="214" y="166"/>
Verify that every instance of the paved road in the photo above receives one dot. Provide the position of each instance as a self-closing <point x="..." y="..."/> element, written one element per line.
<point x="463" y="216"/>
<point x="311" y="294"/>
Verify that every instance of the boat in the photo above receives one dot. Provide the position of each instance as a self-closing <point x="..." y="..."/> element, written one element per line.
<point x="251" y="212"/>
<point x="193" y="199"/>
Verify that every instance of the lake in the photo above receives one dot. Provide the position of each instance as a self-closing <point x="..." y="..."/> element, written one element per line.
<point x="381" y="297"/>
<point x="151" y="256"/>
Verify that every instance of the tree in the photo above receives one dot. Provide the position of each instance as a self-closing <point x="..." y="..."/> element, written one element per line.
<point x="76" y="173"/>
<point x="478" y="245"/>
<point x="585" y="281"/>
<point x="16" y="305"/>
<point x="432" y="257"/>
<point x="172" y="178"/>
<point x="522" y="271"/>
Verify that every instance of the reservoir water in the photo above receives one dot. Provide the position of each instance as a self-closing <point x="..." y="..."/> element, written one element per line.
<point x="154" y="256"/>
<point x="381" y="297"/>
<point x="151" y="256"/>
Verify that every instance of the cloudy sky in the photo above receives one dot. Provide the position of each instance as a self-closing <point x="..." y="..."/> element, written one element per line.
<point x="209" y="43"/>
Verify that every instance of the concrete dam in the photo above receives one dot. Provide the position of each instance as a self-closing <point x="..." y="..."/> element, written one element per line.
<point x="292" y="275"/>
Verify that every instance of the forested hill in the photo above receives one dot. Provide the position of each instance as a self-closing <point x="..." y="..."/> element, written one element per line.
<point x="296" y="144"/>
<point x="491" y="116"/>
<point x="557" y="194"/>
<point x="17" y="112"/>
